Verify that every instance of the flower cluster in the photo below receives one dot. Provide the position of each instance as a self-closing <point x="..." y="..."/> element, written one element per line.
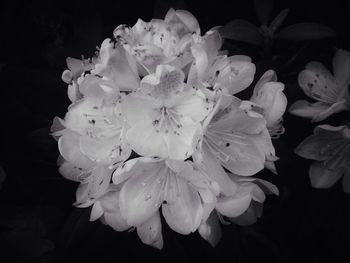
<point x="329" y="146"/>
<point x="155" y="122"/>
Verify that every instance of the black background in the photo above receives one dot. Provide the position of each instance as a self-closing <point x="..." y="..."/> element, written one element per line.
<point x="37" y="220"/>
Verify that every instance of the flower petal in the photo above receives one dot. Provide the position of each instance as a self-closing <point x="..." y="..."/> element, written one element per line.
<point x="211" y="230"/>
<point x="68" y="145"/>
<point x="111" y="211"/>
<point x="341" y="67"/>
<point x="250" y="216"/>
<point x="217" y="173"/>
<point x="183" y="209"/>
<point x="321" y="176"/>
<point x="272" y="99"/>
<point x="117" y="65"/>
<point x="140" y="197"/>
<point x="150" y="232"/>
<point x="233" y="206"/>
<point x="238" y="76"/>
<point x="306" y="109"/>
<point x="318" y="84"/>
<point x="183" y="21"/>
<point x="320" y="146"/>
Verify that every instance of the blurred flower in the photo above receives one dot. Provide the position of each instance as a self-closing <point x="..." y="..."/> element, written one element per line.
<point x="330" y="91"/>
<point x="164" y="115"/>
<point x="329" y="146"/>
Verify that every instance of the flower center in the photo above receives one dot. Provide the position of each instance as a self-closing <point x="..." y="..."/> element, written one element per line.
<point x="168" y="121"/>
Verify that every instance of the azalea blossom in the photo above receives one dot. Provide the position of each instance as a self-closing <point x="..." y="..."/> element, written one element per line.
<point x="167" y="93"/>
<point x="166" y="121"/>
<point x="180" y="188"/>
<point x="213" y="70"/>
<point x="235" y="136"/>
<point x="76" y="67"/>
<point x="329" y="146"/>
<point x="330" y="91"/>
<point x="160" y="41"/>
<point x="90" y="138"/>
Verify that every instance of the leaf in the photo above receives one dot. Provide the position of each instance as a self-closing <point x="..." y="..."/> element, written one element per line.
<point x="263" y="10"/>
<point x="305" y="31"/>
<point x="279" y="19"/>
<point x="241" y="30"/>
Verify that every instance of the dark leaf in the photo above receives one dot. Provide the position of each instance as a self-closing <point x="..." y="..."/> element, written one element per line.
<point x="241" y="30"/>
<point x="305" y="31"/>
<point x="263" y="10"/>
<point x="279" y="19"/>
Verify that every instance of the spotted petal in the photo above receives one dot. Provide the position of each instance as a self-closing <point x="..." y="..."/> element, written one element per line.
<point x="183" y="210"/>
<point x="318" y="83"/>
<point x="140" y="197"/>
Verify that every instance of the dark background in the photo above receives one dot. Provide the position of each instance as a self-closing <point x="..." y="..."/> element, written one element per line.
<point x="37" y="220"/>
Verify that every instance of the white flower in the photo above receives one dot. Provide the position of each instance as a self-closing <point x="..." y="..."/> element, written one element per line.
<point x="235" y="135"/>
<point x="330" y="91"/>
<point x="116" y="65"/>
<point x="268" y="94"/>
<point x="164" y="115"/>
<point x="329" y="146"/>
<point x="178" y="187"/>
<point x="213" y="70"/>
<point x="160" y="41"/>
<point x="76" y="68"/>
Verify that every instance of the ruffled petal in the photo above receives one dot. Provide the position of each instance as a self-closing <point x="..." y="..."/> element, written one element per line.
<point x="140" y="197"/>
<point x="183" y="209"/>
<point x="150" y="232"/>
